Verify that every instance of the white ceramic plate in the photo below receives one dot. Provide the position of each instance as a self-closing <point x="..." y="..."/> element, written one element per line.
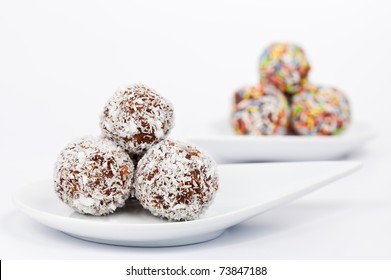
<point x="226" y="147"/>
<point x="261" y="188"/>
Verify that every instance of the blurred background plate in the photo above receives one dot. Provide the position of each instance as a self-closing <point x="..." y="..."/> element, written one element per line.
<point x="227" y="147"/>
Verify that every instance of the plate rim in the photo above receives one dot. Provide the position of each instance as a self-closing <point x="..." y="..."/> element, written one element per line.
<point x="370" y="134"/>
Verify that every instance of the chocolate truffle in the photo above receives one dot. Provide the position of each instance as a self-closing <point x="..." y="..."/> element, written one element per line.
<point x="285" y="65"/>
<point x="176" y="181"/>
<point x="320" y="111"/>
<point x="136" y="118"/>
<point x="260" y="110"/>
<point x="93" y="176"/>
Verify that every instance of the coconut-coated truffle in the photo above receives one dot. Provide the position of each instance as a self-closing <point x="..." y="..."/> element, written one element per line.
<point x="285" y="65"/>
<point x="137" y="117"/>
<point x="93" y="176"/>
<point x="176" y="181"/>
<point x="320" y="110"/>
<point x="260" y="110"/>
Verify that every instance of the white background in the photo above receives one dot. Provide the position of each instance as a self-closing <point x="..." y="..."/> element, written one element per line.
<point x="61" y="61"/>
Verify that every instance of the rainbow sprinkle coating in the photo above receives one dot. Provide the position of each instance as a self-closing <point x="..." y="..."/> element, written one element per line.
<point x="260" y="110"/>
<point x="285" y="65"/>
<point x="320" y="111"/>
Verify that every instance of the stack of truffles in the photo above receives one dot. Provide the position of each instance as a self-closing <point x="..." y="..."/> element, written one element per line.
<point x="97" y="175"/>
<point x="285" y="102"/>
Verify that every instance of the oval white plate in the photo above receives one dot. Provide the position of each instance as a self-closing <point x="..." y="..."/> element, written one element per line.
<point x="261" y="188"/>
<point x="226" y="147"/>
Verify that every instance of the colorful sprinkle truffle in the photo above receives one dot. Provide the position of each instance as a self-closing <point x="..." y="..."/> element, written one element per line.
<point x="176" y="181"/>
<point x="93" y="176"/>
<point x="136" y="118"/>
<point x="284" y="65"/>
<point x="320" y="111"/>
<point x="260" y="110"/>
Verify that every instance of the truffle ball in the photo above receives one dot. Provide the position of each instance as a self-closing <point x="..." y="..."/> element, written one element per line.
<point x="260" y="110"/>
<point x="176" y="181"/>
<point x="137" y="117"/>
<point x="284" y="65"/>
<point x="320" y="111"/>
<point x="93" y="176"/>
